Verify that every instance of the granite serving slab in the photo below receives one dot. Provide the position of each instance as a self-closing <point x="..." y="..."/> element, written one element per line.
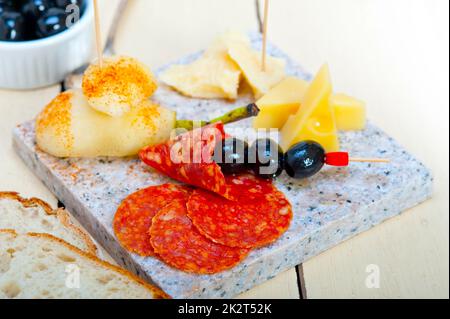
<point x="329" y="208"/>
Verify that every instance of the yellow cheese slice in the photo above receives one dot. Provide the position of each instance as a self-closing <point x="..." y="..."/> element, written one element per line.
<point x="285" y="100"/>
<point x="350" y="112"/>
<point x="315" y="119"/>
<point x="249" y="61"/>
<point x="281" y="102"/>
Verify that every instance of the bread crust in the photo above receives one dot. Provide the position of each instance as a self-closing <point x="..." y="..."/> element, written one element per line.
<point x="155" y="291"/>
<point x="61" y="214"/>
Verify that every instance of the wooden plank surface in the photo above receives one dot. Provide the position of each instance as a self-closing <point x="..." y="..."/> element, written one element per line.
<point x="283" y="286"/>
<point x="15" y="106"/>
<point x="393" y="54"/>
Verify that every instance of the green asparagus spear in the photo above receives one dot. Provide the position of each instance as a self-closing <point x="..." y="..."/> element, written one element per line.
<point x="238" y="114"/>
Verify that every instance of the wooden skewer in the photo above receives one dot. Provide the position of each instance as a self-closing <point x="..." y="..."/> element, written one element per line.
<point x="258" y="17"/>
<point x="98" y="36"/>
<point x="264" y="49"/>
<point x="369" y="160"/>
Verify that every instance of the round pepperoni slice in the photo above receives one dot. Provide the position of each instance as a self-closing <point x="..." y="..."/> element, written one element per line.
<point x="258" y="217"/>
<point x="134" y="215"/>
<point x="178" y="243"/>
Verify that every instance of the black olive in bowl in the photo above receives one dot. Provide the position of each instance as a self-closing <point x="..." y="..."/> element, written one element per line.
<point x="22" y="20"/>
<point x="12" y="26"/>
<point x="51" y="23"/>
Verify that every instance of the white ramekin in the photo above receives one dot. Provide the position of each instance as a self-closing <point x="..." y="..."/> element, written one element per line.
<point x="39" y="63"/>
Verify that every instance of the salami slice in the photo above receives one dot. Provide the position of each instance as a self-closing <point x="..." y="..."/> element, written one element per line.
<point x="189" y="159"/>
<point x="178" y="243"/>
<point x="259" y="215"/>
<point x="134" y="215"/>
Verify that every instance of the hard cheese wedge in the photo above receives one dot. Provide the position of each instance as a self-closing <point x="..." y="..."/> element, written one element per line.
<point x="223" y="42"/>
<point x="249" y="61"/>
<point x="280" y="103"/>
<point x="213" y="76"/>
<point x="210" y="77"/>
<point x="350" y="112"/>
<point x="315" y="119"/>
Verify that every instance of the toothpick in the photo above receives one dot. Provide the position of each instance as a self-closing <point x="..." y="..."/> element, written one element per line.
<point x="98" y="35"/>
<point x="266" y="20"/>
<point x="369" y="160"/>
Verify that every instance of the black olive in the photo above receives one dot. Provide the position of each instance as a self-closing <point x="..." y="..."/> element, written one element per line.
<point x="5" y="7"/>
<point x="34" y="9"/>
<point x="51" y="23"/>
<point x="12" y="26"/>
<point x="266" y="158"/>
<point x="304" y="159"/>
<point x="231" y="155"/>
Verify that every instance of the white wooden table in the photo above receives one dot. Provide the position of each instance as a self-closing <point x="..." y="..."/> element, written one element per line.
<point x="393" y="54"/>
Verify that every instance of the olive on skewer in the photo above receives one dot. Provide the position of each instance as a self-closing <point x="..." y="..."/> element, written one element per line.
<point x="307" y="158"/>
<point x="304" y="160"/>
<point x="232" y="155"/>
<point x="266" y="158"/>
<point x="267" y="161"/>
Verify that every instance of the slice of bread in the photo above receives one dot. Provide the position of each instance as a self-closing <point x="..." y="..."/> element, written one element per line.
<point x="42" y="266"/>
<point x="36" y="216"/>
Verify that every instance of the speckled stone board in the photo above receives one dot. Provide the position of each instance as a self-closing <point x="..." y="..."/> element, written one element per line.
<point x="329" y="208"/>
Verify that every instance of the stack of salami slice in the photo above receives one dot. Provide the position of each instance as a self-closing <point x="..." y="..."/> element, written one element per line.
<point x="207" y="228"/>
